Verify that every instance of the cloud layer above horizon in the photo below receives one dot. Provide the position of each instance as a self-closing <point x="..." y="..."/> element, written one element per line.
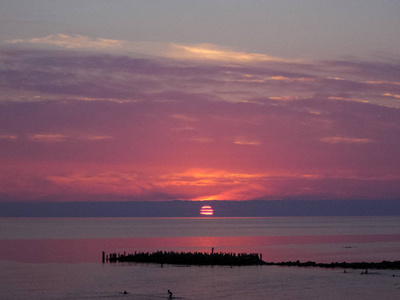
<point x="87" y="119"/>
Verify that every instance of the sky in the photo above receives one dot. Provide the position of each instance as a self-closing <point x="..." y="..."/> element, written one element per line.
<point x="199" y="100"/>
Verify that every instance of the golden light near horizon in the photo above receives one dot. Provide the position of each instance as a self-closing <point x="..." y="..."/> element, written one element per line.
<point x="206" y="210"/>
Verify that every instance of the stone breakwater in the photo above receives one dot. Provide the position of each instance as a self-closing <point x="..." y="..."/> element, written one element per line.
<point x="187" y="258"/>
<point x="344" y="265"/>
<point x="233" y="259"/>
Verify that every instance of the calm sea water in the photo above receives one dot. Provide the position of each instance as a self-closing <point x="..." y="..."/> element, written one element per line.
<point x="60" y="258"/>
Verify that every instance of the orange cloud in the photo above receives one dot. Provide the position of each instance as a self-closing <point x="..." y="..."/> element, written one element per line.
<point x="245" y="141"/>
<point x="391" y="95"/>
<point x="213" y="52"/>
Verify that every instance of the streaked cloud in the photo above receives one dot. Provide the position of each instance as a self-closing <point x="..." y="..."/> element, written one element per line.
<point x="57" y="138"/>
<point x="48" y="138"/>
<point x="244" y="141"/>
<point x="184" y="118"/>
<point x="213" y="124"/>
<point x="72" y="42"/>
<point x="391" y="95"/>
<point x="8" y="137"/>
<point x="345" y="140"/>
<point x="348" y="99"/>
<point x="101" y="182"/>
<point x="170" y="50"/>
<point x="218" y="53"/>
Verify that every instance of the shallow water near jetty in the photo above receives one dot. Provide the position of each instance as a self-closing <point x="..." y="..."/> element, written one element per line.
<point x="61" y="258"/>
<point x="108" y="281"/>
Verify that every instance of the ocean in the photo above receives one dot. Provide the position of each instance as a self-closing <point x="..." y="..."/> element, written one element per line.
<point x="60" y="258"/>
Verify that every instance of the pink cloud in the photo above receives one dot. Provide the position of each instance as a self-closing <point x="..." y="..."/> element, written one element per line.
<point x="78" y="125"/>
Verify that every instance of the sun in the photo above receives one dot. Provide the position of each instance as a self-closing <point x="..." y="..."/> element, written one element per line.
<point x="206" y="210"/>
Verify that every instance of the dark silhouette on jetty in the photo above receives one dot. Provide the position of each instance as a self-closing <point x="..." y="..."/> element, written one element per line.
<point x="187" y="258"/>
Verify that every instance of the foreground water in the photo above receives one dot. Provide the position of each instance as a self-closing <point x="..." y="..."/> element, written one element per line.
<point x="61" y="258"/>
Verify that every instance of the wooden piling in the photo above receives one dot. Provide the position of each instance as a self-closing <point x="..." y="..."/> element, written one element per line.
<point x="104" y="257"/>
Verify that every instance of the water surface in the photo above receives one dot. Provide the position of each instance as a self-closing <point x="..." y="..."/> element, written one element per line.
<point x="60" y="258"/>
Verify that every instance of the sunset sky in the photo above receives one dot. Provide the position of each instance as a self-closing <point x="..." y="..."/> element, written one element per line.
<point x="199" y="100"/>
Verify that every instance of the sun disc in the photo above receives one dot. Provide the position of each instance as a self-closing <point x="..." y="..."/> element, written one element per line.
<point x="206" y="210"/>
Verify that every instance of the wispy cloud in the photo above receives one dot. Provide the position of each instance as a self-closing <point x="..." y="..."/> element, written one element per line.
<point x="213" y="124"/>
<point x="8" y="137"/>
<point x="245" y="141"/>
<point x="345" y="140"/>
<point x="218" y="53"/>
<point x="72" y="42"/>
<point x="48" y="138"/>
<point x="170" y="50"/>
<point x="57" y="138"/>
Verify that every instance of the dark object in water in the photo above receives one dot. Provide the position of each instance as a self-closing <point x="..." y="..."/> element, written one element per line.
<point x="188" y="258"/>
<point x="170" y="294"/>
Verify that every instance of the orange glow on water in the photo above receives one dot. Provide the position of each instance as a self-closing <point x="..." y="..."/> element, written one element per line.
<point x="206" y="210"/>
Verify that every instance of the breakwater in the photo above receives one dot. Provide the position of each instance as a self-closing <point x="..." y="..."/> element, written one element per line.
<point x="187" y="258"/>
<point x="344" y="265"/>
<point x="233" y="259"/>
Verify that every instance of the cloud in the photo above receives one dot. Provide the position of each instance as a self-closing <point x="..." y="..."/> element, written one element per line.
<point x="345" y="140"/>
<point x="170" y="50"/>
<point x="57" y="138"/>
<point x="72" y="42"/>
<point x="184" y="118"/>
<point x="391" y="95"/>
<point x="48" y="138"/>
<point x="244" y="141"/>
<point x="89" y="123"/>
<point x="217" y="53"/>
<point x="44" y="74"/>
<point x="8" y="137"/>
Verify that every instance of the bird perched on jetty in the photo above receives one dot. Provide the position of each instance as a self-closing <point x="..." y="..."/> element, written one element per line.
<point x="170" y="294"/>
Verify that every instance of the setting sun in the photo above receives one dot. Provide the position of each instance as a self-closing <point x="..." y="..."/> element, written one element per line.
<point x="206" y="210"/>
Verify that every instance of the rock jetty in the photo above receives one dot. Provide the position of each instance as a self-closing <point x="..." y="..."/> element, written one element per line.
<point x="233" y="259"/>
<point x="187" y="258"/>
<point x="354" y="265"/>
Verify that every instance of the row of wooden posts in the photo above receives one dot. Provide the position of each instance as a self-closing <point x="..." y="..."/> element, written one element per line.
<point x="241" y="259"/>
<point x="194" y="258"/>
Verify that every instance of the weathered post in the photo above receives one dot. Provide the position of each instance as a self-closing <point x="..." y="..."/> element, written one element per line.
<point x="104" y="257"/>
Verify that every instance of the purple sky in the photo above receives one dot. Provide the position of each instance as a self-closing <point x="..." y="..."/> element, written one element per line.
<point x="180" y="100"/>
